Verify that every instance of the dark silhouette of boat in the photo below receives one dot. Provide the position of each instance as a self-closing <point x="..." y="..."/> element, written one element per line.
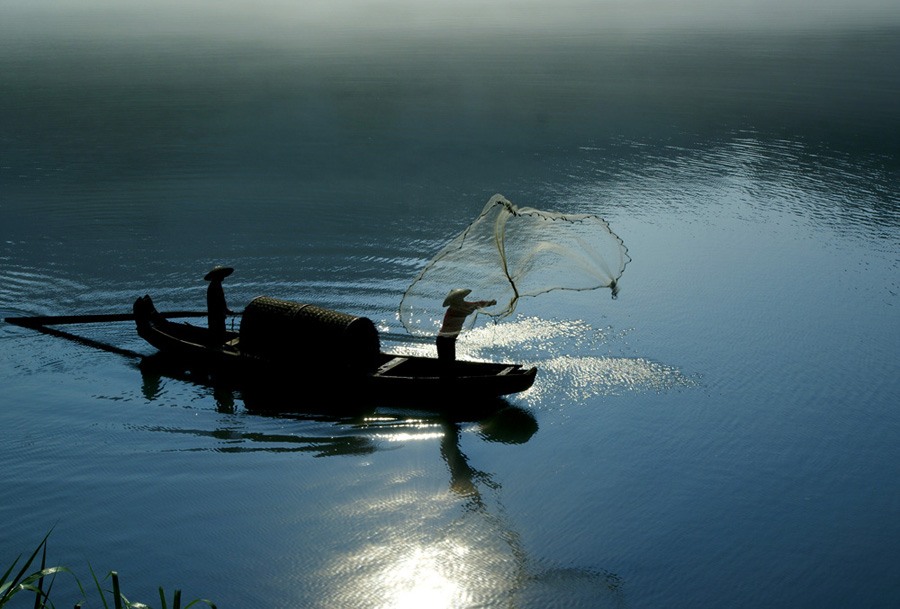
<point x="289" y="344"/>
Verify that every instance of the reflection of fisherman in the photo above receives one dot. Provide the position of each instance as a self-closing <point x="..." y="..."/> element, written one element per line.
<point x="216" y="309"/>
<point x="459" y="309"/>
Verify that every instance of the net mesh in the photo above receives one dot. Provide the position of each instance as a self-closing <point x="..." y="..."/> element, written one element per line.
<point x="508" y="253"/>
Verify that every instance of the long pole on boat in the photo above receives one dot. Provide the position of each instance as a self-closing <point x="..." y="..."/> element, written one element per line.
<point x="41" y="323"/>
<point x="58" y="320"/>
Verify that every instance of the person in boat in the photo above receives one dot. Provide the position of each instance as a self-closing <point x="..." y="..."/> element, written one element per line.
<point x="458" y="308"/>
<point x="216" y="307"/>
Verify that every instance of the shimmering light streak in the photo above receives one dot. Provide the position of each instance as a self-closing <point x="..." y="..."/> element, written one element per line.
<point x="420" y="580"/>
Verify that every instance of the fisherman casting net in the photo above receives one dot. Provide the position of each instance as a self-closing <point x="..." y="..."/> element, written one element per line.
<point x="508" y="253"/>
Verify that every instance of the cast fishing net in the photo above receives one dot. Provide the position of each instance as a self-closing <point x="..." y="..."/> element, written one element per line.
<point x="508" y="253"/>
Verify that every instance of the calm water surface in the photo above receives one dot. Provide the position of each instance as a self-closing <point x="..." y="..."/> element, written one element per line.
<point x="724" y="434"/>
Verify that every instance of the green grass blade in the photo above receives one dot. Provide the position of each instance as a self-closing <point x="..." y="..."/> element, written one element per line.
<point x="38" y="603"/>
<point x="3" y="588"/>
<point x="13" y="586"/>
<point x="6" y="585"/>
<point x="38" y="575"/>
<point x="3" y="583"/>
<point x="37" y="591"/>
<point x="117" y="592"/>
<point x="99" y="587"/>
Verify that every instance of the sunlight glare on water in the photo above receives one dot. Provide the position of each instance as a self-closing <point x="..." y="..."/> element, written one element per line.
<point x="575" y="359"/>
<point x="418" y="581"/>
<point x="407" y="567"/>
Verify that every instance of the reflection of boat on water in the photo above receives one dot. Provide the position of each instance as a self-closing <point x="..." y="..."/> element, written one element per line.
<point x="348" y="427"/>
<point x="287" y="345"/>
<point x="288" y="400"/>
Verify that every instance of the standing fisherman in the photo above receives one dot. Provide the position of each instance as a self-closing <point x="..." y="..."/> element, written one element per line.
<point x="459" y="309"/>
<point x="216" y="308"/>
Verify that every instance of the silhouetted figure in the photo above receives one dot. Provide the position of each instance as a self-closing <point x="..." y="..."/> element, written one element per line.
<point x="459" y="309"/>
<point x="216" y="308"/>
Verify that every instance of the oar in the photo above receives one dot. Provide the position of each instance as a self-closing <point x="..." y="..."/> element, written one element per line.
<point x="32" y="322"/>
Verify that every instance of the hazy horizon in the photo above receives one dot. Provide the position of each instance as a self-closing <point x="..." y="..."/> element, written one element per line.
<point x="277" y="18"/>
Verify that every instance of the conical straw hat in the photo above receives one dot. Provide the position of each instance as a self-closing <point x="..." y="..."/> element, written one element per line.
<point x="456" y="297"/>
<point x="219" y="272"/>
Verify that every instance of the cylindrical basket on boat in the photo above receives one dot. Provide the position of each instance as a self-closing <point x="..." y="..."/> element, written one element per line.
<point x="304" y="333"/>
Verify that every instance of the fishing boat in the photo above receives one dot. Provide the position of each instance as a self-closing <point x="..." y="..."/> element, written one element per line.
<point x="302" y="345"/>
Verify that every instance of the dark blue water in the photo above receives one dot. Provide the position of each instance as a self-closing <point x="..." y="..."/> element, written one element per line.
<point x="723" y="434"/>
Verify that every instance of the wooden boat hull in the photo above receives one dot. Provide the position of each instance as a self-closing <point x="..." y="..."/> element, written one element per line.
<point x="422" y="378"/>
